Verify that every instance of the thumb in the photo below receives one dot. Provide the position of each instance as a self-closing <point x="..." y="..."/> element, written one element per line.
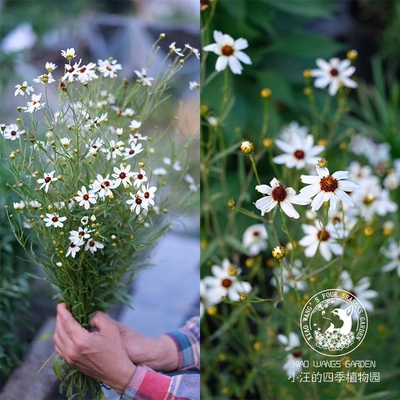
<point x="101" y="322"/>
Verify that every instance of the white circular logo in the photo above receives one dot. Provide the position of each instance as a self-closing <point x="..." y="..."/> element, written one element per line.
<point x="334" y="322"/>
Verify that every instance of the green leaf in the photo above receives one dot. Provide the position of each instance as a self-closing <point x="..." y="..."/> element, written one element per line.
<point x="45" y="336"/>
<point x="305" y="8"/>
<point x="235" y="243"/>
<point x="306" y="45"/>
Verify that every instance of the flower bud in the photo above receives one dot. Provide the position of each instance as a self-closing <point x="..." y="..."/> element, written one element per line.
<point x="352" y="55"/>
<point x="322" y="163"/>
<point x="279" y="252"/>
<point x="247" y="147"/>
<point x="266" y="93"/>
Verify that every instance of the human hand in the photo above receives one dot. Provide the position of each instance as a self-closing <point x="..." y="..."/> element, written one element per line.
<point x="160" y="353"/>
<point x="99" y="353"/>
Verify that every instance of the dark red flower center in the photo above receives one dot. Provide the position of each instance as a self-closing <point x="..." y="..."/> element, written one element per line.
<point x="140" y="176"/>
<point x="122" y="175"/>
<point x="227" y="50"/>
<point x="146" y="195"/>
<point x="85" y="197"/>
<point x="334" y="72"/>
<point x="279" y="193"/>
<point x="323" y="235"/>
<point x="226" y="283"/>
<point x="299" y="154"/>
<point x="138" y="201"/>
<point x="328" y="183"/>
<point x="13" y="133"/>
<point x="47" y="179"/>
<point x="54" y="219"/>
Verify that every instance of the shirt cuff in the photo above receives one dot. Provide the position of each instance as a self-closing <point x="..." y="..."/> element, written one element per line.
<point x="147" y="384"/>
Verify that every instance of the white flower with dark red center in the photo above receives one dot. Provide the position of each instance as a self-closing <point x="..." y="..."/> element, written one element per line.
<point x="109" y="68"/>
<point x="94" y="147"/>
<point x="85" y="220"/>
<point x="112" y="150"/>
<point x="35" y="104"/>
<point x="326" y="187"/>
<point x="46" y="180"/>
<point x="225" y="283"/>
<point x="72" y="250"/>
<point x="93" y="245"/>
<point x="45" y="78"/>
<point x="54" y="220"/>
<point x="229" y="52"/>
<point x="255" y="239"/>
<point x="137" y="203"/>
<point x="323" y="239"/>
<point x="132" y="150"/>
<point x="334" y="73"/>
<point x="12" y="132"/>
<point x="71" y="71"/>
<point x="85" y="198"/>
<point x="134" y="125"/>
<point x="22" y="89"/>
<point x="86" y="73"/>
<point x="293" y="363"/>
<point x="277" y="194"/>
<point x="139" y="178"/>
<point x="147" y="195"/>
<point x="135" y="137"/>
<point x="102" y="186"/>
<point x="393" y="253"/>
<point x="143" y="78"/>
<point x="77" y="236"/>
<point x="123" y="175"/>
<point x="300" y="151"/>
<point x="359" y="290"/>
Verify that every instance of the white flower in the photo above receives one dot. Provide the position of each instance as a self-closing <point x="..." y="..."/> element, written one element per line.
<point x="139" y="178"/>
<point x="93" y="245"/>
<point x="360" y="290"/>
<point x="229" y="52"/>
<point x="175" y="50"/>
<point x="192" y="184"/>
<point x="45" y="78"/>
<point x="193" y="50"/>
<point x="372" y="199"/>
<point x="84" y="220"/>
<point x="393" y="253"/>
<point x="136" y="137"/>
<point x="112" y="151"/>
<point x="11" y="132"/>
<point x="54" y="220"/>
<point x="290" y="277"/>
<point x="69" y="54"/>
<point x="160" y="171"/>
<point x="147" y="195"/>
<point x="323" y="239"/>
<point x="277" y="194"/>
<point x="50" y="66"/>
<point x="143" y="78"/>
<point x="22" y="89"/>
<point x="194" y="85"/>
<point x="72" y="250"/>
<point x="35" y="104"/>
<point x="224" y="283"/>
<point x="71" y="72"/>
<point x="205" y="302"/>
<point x="46" y="180"/>
<point x="85" y="198"/>
<point x="77" y="237"/>
<point x="86" y="73"/>
<point x="109" y="68"/>
<point x="255" y="239"/>
<point x="300" y="151"/>
<point x="137" y="204"/>
<point x="293" y="128"/>
<point x="133" y="150"/>
<point x="93" y="148"/>
<point x="19" y="206"/>
<point x="327" y="187"/>
<point x="134" y="125"/>
<point x="293" y="361"/>
<point x="123" y="175"/>
<point x="334" y="73"/>
<point x="96" y="121"/>
<point x="103" y="186"/>
<point x="65" y="141"/>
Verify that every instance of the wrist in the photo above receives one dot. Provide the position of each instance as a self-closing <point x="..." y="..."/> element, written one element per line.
<point x="125" y="379"/>
<point x="166" y="356"/>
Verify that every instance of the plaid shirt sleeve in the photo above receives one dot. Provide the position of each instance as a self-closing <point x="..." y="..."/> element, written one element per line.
<point x="147" y="384"/>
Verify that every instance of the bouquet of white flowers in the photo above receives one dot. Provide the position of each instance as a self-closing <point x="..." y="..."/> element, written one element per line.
<point x="93" y="189"/>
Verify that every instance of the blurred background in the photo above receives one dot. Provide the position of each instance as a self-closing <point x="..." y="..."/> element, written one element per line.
<point x="165" y="295"/>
